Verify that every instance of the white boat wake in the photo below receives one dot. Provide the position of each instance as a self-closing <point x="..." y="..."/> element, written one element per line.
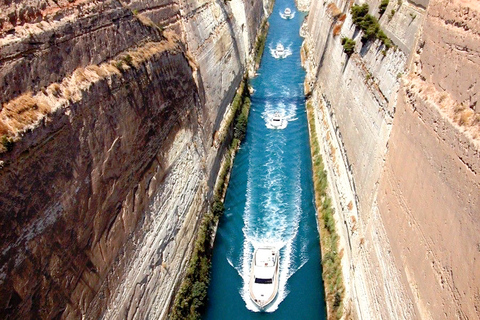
<point x="286" y="114"/>
<point x="278" y="227"/>
<point x="280" y="52"/>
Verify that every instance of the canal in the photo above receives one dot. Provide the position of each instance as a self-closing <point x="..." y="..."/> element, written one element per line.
<point x="270" y="198"/>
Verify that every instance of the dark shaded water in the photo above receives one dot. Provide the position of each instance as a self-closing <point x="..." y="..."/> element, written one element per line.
<point x="270" y="196"/>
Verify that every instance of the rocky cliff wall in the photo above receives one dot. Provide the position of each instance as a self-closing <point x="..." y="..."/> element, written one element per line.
<point x="429" y="192"/>
<point x="355" y="98"/>
<point x="400" y="134"/>
<point x="109" y="111"/>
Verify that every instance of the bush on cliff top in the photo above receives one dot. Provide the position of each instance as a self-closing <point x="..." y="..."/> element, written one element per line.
<point x="369" y="25"/>
<point x="348" y="46"/>
<point x="383" y="6"/>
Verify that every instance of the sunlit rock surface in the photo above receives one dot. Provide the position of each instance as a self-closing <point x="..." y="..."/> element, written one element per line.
<point x="110" y="109"/>
<point x="400" y="133"/>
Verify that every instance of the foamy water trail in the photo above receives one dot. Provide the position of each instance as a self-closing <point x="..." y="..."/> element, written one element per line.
<point x="286" y="53"/>
<point x="278" y="223"/>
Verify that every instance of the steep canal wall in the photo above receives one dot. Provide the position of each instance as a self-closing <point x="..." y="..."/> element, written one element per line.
<point x="400" y="135"/>
<point x="108" y="123"/>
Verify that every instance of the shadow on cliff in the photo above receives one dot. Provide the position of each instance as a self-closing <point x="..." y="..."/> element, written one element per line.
<point x="67" y="184"/>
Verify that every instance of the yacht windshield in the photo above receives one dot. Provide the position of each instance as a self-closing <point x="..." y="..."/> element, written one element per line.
<point x="264" y="281"/>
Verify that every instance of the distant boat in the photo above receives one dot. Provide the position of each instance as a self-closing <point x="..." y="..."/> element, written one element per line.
<point x="277" y="122"/>
<point x="287" y="14"/>
<point x="264" y="276"/>
<point x="280" y="51"/>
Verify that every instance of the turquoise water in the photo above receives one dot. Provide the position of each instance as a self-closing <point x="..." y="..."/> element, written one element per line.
<point x="270" y="196"/>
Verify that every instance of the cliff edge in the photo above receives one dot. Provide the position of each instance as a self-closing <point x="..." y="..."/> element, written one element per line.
<point x="108" y="116"/>
<point x="399" y="124"/>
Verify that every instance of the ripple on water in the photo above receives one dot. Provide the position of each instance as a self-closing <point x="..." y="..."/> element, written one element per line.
<point x="269" y="197"/>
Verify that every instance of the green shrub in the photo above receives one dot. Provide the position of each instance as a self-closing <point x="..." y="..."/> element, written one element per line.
<point x="260" y="44"/>
<point x="358" y="12"/>
<point x="348" y="46"/>
<point x="119" y="65"/>
<point x="369" y="25"/>
<point x="218" y="208"/>
<point x="383" y="6"/>
<point x="331" y="260"/>
<point x="128" y="59"/>
<point x="191" y="297"/>
<point x="391" y="14"/>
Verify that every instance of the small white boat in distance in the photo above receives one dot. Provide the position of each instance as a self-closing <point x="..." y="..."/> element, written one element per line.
<point x="277" y="122"/>
<point x="287" y="14"/>
<point x="264" y="276"/>
<point x="279" y="52"/>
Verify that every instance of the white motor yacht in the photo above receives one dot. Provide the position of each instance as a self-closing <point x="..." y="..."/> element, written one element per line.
<point x="264" y="276"/>
<point x="287" y="14"/>
<point x="280" y="50"/>
<point x="277" y="122"/>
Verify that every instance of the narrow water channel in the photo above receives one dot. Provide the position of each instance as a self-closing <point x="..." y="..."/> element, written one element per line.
<point x="270" y="196"/>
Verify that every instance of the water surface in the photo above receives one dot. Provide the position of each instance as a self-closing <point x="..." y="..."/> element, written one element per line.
<point x="270" y="196"/>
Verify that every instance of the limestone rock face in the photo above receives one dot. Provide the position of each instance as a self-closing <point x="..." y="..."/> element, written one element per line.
<point x="400" y="130"/>
<point x="430" y="199"/>
<point x="107" y="161"/>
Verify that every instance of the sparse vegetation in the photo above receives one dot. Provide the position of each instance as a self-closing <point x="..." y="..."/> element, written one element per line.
<point x="383" y="6"/>
<point x="391" y="14"/>
<point x="128" y="60"/>
<point x="7" y="143"/>
<point x="260" y="44"/>
<point x="191" y="297"/>
<point x="331" y="258"/>
<point x="119" y="65"/>
<point x="369" y="25"/>
<point x="348" y="46"/>
<point x="146" y="21"/>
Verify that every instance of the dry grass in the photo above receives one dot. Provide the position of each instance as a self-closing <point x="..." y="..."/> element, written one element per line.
<point x="3" y="128"/>
<point x="79" y="75"/>
<point x="101" y="72"/>
<point x="54" y="88"/>
<point x="24" y="111"/>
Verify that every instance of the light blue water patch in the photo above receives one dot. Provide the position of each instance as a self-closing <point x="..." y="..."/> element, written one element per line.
<point x="270" y="196"/>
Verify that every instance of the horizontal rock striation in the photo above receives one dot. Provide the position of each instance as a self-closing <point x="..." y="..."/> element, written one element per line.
<point x="400" y="134"/>
<point x="108" y="113"/>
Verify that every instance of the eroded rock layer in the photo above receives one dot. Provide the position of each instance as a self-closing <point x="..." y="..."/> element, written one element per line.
<point x="400" y="133"/>
<point x="108" y="115"/>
